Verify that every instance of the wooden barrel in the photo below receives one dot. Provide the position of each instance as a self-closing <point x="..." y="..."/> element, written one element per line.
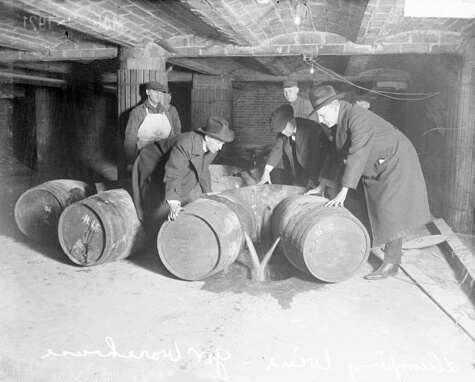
<point x="328" y="243"/>
<point x="205" y="239"/>
<point x="243" y="209"/>
<point x="101" y="228"/>
<point x="37" y="211"/>
<point x="226" y="183"/>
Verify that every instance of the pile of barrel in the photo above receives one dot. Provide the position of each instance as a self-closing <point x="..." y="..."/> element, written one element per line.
<point x="92" y="228"/>
<point x="96" y="228"/>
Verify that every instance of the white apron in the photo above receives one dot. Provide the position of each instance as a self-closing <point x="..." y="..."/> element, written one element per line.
<point x="153" y="128"/>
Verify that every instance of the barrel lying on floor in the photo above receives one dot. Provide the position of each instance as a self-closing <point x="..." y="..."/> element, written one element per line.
<point x="328" y="243"/>
<point x="208" y="235"/>
<point x="38" y="209"/>
<point x="101" y="228"/>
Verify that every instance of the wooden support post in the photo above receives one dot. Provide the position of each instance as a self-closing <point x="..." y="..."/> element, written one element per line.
<point x="44" y="132"/>
<point x="138" y="66"/>
<point x="211" y="96"/>
<point x="460" y="198"/>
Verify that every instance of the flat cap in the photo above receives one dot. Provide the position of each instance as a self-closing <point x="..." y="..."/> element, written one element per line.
<point x="290" y="83"/>
<point x="158" y="86"/>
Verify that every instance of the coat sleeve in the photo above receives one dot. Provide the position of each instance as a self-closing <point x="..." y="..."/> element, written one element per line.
<point x="176" y="168"/>
<point x="131" y="131"/>
<point x="175" y="120"/>
<point x="275" y="156"/>
<point x="361" y="134"/>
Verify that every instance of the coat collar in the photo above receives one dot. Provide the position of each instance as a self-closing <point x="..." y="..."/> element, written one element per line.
<point x="197" y="144"/>
<point x="341" y="133"/>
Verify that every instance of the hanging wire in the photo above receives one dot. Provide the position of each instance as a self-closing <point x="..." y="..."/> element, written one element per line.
<point x="307" y="20"/>
<point x="338" y="77"/>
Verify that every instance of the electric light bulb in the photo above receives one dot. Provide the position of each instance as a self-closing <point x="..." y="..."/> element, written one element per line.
<point x="297" y="20"/>
<point x="312" y="70"/>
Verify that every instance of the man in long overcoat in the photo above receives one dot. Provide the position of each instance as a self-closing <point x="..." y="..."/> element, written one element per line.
<point x="386" y="161"/>
<point x="301" y="145"/>
<point x="185" y="175"/>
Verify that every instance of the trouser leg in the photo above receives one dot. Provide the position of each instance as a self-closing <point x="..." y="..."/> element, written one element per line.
<point x="393" y="251"/>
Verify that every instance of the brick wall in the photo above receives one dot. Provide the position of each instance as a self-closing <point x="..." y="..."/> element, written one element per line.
<point x="253" y="104"/>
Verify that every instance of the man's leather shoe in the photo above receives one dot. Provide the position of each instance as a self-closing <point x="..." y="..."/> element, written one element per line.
<point x="384" y="271"/>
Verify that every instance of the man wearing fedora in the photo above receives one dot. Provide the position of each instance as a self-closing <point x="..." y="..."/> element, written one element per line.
<point x="301" y="146"/>
<point x="184" y="163"/>
<point x="150" y="121"/>
<point x="376" y="152"/>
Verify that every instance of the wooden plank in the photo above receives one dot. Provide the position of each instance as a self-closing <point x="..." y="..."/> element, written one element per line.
<point x="459" y="252"/>
<point x="448" y="302"/>
<point x="452" y="304"/>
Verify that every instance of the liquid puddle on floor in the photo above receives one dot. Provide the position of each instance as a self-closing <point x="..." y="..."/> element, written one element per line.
<point x="283" y="280"/>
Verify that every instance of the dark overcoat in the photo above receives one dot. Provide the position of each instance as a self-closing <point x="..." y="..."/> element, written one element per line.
<point x="187" y="167"/>
<point x="150" y="162"/>
<point x="179" y="162"/>
<point x="388" y="165"/>
<point x="311" y="145"/>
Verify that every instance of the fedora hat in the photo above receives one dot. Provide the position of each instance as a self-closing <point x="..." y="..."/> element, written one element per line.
<point x="280" y="117"/>
<point x="323" y="96"/>
<point x="217" y="127"/>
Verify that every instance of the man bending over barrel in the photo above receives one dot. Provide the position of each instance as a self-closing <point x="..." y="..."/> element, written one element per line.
<point x="181" y="165"/>
<point x="386" y="161"/>
<point x="301" y="146"/>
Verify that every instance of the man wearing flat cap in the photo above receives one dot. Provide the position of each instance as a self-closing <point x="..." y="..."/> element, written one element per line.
<point x="150" y="121"/>
<point x="301" y="146"/>
<point x="302" y="107"/>
<point x="385" y="160"/>
<point x="184" y="161"/>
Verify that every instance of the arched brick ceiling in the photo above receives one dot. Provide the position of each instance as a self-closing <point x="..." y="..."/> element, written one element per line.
<point x="224" y="37"/>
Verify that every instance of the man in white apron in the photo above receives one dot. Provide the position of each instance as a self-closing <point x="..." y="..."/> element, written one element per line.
<point x="150" y="122"/>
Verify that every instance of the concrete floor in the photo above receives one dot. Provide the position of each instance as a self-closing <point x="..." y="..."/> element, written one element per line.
<point x="132" y="321"/>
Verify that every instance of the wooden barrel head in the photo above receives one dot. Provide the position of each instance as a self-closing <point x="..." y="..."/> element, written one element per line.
<point x="81" y="234"/>
<point x="335" y="247"/>
<point x="204" y="239"/>
<point x="189" y="256"/>
<point x="37" y="213"/>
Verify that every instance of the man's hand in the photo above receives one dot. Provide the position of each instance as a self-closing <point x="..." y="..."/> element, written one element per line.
<point x="265" y="178"/>
<point x="175" y="208"/>
<point x="339" y="199"/>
